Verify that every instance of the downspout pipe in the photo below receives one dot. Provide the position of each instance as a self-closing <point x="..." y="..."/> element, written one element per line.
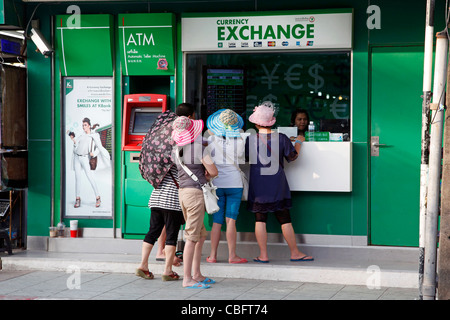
<point x="435" y="167"/>
<point x="427" y="71"/>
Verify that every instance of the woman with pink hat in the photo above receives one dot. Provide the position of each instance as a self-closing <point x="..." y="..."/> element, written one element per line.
<point x="191" y="151"/>
<point x="268" y="187"/>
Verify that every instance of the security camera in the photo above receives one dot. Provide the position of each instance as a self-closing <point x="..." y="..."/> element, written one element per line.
<point x="38" y="38"/>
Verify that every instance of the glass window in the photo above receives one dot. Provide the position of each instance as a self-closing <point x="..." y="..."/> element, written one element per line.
<point x="318" y="82"/>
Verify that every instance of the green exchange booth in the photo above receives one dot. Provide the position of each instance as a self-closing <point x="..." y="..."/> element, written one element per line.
<point x="314" y="59"/>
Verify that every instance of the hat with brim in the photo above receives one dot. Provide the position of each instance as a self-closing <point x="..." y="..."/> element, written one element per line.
<point x="263" y="115"/>
<point x="186" y="130"/>
<point x="225" y="123"/>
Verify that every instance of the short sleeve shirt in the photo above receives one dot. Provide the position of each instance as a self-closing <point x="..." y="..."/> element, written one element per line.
<point x="192" y="155"/>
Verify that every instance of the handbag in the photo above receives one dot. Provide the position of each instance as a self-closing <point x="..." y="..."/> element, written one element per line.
<point x="210" y="196"/>
<point x="92" y="160"/>
<point x="209" y="189"/>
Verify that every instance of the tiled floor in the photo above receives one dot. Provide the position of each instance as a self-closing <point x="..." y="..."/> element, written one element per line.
<point x="43" y="285"/>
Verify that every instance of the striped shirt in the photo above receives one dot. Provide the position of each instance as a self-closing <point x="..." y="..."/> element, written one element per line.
<point x="165" y="196"/>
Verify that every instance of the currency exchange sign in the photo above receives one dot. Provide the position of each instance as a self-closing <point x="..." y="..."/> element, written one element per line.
<point x="282" y="30"/>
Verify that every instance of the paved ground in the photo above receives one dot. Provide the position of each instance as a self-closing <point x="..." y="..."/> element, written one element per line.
<point x="75" y="285"/>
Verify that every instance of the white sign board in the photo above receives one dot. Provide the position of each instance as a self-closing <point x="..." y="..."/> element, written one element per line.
<point x="321" y="166"/>
<point x="88" y="118"/>
<point x="255" y="31"/>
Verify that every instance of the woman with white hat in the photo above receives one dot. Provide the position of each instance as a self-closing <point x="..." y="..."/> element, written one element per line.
<point x="191" y="151"/>
<point x="227" y="152"/>
<point x="268" y="187"/>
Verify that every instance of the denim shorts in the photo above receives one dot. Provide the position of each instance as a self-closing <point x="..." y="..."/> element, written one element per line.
<point x="229" y="202"/>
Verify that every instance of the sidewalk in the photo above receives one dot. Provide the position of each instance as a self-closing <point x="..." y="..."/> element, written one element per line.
<point x="347" y="273"/>
<point x="58" y="285"/>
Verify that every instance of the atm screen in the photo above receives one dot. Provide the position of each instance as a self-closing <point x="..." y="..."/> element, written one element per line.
<point x="142" y="119"/>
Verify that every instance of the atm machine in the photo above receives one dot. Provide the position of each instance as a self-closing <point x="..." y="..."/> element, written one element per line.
<point x="139" y="113"/>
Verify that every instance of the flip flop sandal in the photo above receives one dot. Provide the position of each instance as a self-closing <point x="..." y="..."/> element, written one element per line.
<point x="242" y="260"/>
<point x="171" y="277"/>
<point x="304" y="258"/>
<point x="179" y="255"/>
<point x="260" y="261"/>
<point x="144" y="274"/>
<point x="208" y="281"/>
<point x="198" y="285"/>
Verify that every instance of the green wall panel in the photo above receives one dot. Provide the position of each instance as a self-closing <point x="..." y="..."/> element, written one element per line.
<point x="39" y="183"/>
<point x="39" y="139"/>
<point x="137" y="220"/>
<point x="86" y="50"/>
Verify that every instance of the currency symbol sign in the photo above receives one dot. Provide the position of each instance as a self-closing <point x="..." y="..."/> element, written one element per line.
<point x="336" y="109"/>
<point x="290" y="75"/>
<point x="313" y="71"/>
<point x="269" y="79"/>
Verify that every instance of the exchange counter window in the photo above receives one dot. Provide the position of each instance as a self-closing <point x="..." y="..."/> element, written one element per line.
<point x="319" y="82"/>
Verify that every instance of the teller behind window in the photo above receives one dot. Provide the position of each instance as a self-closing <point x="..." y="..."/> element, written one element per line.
<point x="300" y="119"/>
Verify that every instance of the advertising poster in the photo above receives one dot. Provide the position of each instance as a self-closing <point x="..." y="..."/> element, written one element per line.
<point x="87" y="133"/>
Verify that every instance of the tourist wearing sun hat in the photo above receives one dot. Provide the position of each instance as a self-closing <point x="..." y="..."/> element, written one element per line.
<point x="225" y="123"/>
<point x="166" y="217"/>
<point x="268" y="187"/>
<point x="187" y="135"/>
<point x="227" y="150"/>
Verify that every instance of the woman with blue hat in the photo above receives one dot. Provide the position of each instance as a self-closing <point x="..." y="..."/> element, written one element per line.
<point x="227" y="150"/>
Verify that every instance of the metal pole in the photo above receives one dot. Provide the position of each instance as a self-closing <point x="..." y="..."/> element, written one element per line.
<point x="433" y="194"/>
<point x="443" y="266"/>
<point x="427" y="71"/>
<point x="52" y="191"/>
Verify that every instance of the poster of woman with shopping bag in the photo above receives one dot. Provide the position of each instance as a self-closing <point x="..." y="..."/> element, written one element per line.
<point x="87" y="171"/>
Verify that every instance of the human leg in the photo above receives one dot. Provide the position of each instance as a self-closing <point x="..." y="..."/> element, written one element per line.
<point x="216" y="228"/>
<point x="168" y="273"/>
<point x="145" y="253"/>
<point x="234" y="196"/>
<point x="287" y="229"/>
<point x="188" y="257"/>
<point x="231" y="240"/>
<point x="289" y="236"/>
<point x="196" y="272"/>
<point x="261" y="238"/>
<point x="172" y="223"/>
<point x="215" y="239"/>
<point x="156" y="224"/>
<point x="193" y="206"/>
<point x="161" y="244"/>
